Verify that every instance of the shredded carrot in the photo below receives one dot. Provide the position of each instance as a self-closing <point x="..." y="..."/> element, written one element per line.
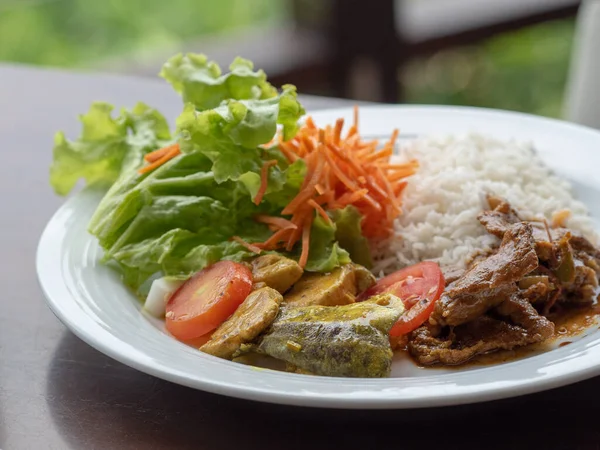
<point x="392" y="140"/>
<point x="385" y="153"/>
<point x="157" y="154"/>
<point x="339" y="173"/>
<point x="398" y="188"/>
<point x="349" y="198"/>
<point x="389" y="190"/>
<point x="273" y="242"/>
<point x="352" y="133"/>
<point x="288" y="152"/>
<point x="320" y="210"/>
<point x="166" y="154"/>
<point x="305" y="242"/>
<point x="341" y="170"/>
<point x="401" y="173"/>
<point x="347" y="158"/>
<point x="337" y="131"/>
<point x="279" y="222"/>
<point x="251" y="247"/>
<point x="307" y="191"/>
<point x="264" y="179"/>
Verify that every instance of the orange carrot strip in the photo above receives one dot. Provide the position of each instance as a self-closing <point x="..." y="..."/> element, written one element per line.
<point x="401" y="174"/>
<point x="251" y="247"/>
<point x="279" y="222"/>
<point x="308" y="142"/>
<point x="346" y="158"/>
<point x="264" y="180"/>
<point x="320" y="189"/>
<point x="355" y="116"/>
<point x="159" y="162"/>
<point x="157" y="154"/>
<point x="337" y="131"/>
<point x="321" y="211"/>
<point x="372" y="183"/>
<point x="309" y="122"/>
<point x="371" y="201"/>
<point x="339" y="174"/>
<point x="352" y="136"/>
<point x="307" y="191"/>
<point x="390" y="191"/>
<point x="398" y="188"/>
<point x="325" y="198"/>
<point x="298" y="218"/>
<point x="352" y="197"/>
<point x="305" y="242"/>
<point x="284" y="147"/>
<point x="385" y="153"/>
<point x="393" y="138"/>
<point x="278" y="236"/>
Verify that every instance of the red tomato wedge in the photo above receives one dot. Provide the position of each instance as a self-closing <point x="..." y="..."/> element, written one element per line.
<point x="207" y="299"/>
<point x="419" y="287"/>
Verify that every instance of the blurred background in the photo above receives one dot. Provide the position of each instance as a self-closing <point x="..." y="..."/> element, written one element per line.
<point x="509" y="54"/>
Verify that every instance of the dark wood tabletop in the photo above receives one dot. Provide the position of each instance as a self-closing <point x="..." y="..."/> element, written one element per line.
<point x="56" y="392"/>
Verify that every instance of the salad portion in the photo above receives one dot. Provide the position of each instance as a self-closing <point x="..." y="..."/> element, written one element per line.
<point x="248" y="227"/>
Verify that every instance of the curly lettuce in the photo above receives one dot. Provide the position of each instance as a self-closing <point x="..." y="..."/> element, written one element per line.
<point x="107" y="146"/>
<point x="181" y="216"/>
<point x="201" y="83"/>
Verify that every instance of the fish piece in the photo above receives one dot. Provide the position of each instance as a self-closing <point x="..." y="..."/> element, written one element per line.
<point x="345" y="341"/>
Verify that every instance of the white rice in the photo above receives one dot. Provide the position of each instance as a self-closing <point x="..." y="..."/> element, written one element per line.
<point x="442" y="201"/>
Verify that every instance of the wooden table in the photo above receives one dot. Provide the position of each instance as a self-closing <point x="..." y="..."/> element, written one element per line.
<point x="58" y="393"/>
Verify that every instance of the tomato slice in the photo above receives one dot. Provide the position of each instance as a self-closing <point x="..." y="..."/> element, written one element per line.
<point x="207" y="299"/>
<point x="419" y="287"/>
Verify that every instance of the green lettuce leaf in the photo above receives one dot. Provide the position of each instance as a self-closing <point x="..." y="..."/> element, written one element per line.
<point x="107" y="146"/>
<point x="181" y="216"/>
<point x="177" y="253"/>
<point x="201" y="83"/>
<point x="231" y="134"/>
<point x="349" y="236"/>
<point x="324" y="253"/>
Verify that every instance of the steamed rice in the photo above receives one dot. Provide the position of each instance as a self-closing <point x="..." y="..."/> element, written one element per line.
<point x="442" y="201"/>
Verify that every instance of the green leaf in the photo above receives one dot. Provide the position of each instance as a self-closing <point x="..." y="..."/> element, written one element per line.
<point x="107" y="146"/>
<point x="200" y="82"/>
<point x="349" y="235"/>
<point x="282" y="187"/>
<point x="230" y="134"/>
<point x="324" y="253"/>
<point x="178" y="254"/>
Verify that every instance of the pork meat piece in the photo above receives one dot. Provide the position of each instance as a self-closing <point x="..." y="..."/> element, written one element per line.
<point x="250" y="319"/>
<point x="276" y="271"/>
<point x="339" y="287"/>
<point x="482" y="335"/>
<point x="490" y="281"/>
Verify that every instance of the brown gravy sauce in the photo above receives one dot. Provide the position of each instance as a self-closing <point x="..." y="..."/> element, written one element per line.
<point x="569" y="324"/>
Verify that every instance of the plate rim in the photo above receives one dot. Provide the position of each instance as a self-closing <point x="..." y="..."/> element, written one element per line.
<point x="56" y="294"/>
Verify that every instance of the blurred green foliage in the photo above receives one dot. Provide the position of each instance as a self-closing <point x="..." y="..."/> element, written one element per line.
<point x="78" y="32"/>
<point x="524" y="70"/>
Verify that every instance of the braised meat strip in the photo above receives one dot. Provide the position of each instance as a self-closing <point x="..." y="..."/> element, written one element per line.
<point x="502" y="301"/>
<point x="489" y="282"/>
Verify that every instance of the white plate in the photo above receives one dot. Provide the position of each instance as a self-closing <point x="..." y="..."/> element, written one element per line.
<point x="89" y="298"/>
